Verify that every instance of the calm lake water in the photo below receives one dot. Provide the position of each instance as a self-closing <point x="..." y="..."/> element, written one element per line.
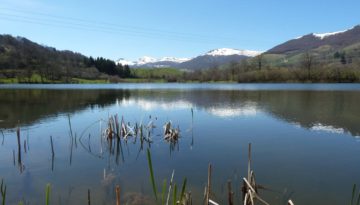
<point x="305" y="140"/>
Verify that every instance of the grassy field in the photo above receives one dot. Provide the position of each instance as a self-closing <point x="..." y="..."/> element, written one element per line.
<point x="35" y="78"/>
<point x="87" y="81"/>
<point x="157" y="73"/>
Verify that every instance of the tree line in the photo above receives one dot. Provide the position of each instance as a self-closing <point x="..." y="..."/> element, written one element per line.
<point x="309" y="68"/>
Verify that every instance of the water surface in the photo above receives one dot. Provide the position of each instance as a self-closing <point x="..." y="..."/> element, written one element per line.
<point x="305" y="140"/>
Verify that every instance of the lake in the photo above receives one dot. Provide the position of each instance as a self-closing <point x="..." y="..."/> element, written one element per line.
<point x="305" y="141"/>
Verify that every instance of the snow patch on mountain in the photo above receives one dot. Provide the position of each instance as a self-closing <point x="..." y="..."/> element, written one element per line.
<point x="173" y="59"/>
<point x="230" y="51"/>
<point x="147" y="59"/>
<point x="324" y="35"/>
<point x="122" y="61"/>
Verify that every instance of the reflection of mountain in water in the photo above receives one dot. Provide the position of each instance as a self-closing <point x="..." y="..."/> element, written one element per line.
<point x="334" y="111"/>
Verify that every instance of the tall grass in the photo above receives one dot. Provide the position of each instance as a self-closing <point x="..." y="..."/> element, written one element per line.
<point x="174" y="194"/>
<point x="152" y="179"/>
<point x="183" y="189"/>
<point x="47" y="194"/>
<point x="163" y="192"/>
<point x="353" y="196"/>
<point x="3" y="191"/>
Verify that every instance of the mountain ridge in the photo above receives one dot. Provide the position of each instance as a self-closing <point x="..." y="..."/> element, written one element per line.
<point x="215" y="57"/>
<point x="336" y="39"/>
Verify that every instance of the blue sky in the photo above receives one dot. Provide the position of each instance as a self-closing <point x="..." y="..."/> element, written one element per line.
<point x="132" y="28"/>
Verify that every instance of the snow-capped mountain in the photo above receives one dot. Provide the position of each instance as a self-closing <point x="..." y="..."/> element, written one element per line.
<point x="147" y="61"/>
<point x="230" y="51"/>
<point x="122" y="61"/>
<point x="336" y="40"/>
<point x="216" y="57"/>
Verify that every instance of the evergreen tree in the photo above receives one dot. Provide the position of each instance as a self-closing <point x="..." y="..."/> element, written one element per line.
<point x="343" y="58"/>
<point x="127" y="72"/>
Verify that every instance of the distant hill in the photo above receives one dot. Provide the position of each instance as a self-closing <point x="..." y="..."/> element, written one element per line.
<point x="337" y="40"/>
<point x="22" y="58"/>
<point x="341" y="47"/>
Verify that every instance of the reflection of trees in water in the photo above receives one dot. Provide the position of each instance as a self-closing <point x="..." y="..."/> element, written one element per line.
<point x="30" y="105"/>
<point x="336" y="108"/>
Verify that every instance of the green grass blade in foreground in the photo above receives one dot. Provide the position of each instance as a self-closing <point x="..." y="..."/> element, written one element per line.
<point x="47" y="195"/>
<point x="163" y="192"/>
<point x="4" y="196"/>
<point x="353" y="194"/>
<point x="151" y="173"/>
<point x="174" y="195"/>
<point x="3" y="191"/>
<point x="183" y="190"/>
<point x="1" y="186"/>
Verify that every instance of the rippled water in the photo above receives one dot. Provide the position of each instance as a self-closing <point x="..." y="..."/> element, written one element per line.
<point x="305" y="140"/>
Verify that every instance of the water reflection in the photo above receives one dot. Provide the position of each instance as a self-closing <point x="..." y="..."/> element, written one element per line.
<point x="30" y="106"/>
<point x="315" y="110"/>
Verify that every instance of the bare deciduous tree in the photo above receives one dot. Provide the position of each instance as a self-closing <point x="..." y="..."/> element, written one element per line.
<point x="307" y="63"/>
<point x="259" y="61"/>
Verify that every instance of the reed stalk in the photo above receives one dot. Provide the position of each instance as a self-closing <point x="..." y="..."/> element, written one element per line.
<point x="230" y="194"/>
<point x="25" y="146"/>
<point x="249" y="162"/>
<point x="170" y="186"/>
<point x="117" y="195"/>
<point x="71" y="132"/>
<point x="14" y="157"/>
<point x="52" y="146"/>
<point x="208" y="188"/>
<point x="88" y="197"/>
<point x="19" y="145"/>
<point x="3" y="137"/>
